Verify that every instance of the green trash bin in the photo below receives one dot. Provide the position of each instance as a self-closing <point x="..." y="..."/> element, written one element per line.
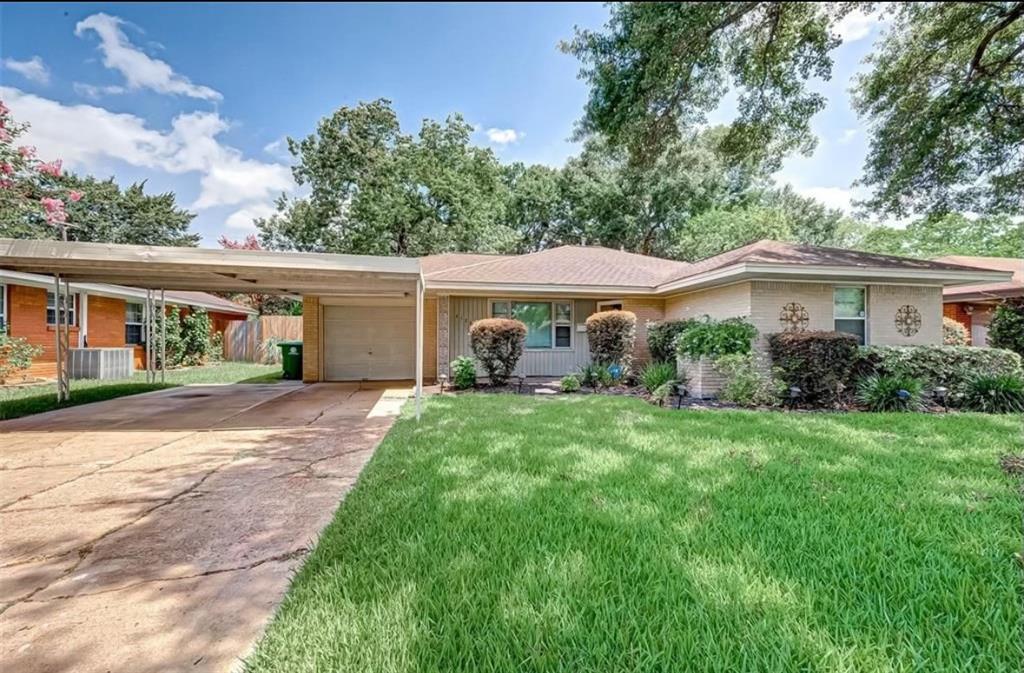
<point x="291" y="359"/>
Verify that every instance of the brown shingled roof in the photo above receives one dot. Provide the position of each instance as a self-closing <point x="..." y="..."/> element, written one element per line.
<point x="1014" y="287"/>
<point x="565" y="265"/>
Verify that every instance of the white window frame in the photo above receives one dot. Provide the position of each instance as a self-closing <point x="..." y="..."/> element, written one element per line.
<point x="3" y="307"/>
<point x="73" y="309"/>
<point x="142" y="308"/>
<point x="555" y="322"/>
<point x="863" y="318"/>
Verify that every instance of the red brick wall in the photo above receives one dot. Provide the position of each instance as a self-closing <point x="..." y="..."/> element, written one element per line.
<point x="647" y="309"/>
<point x="105" y="322"/>
<point x="26" y="318"/>
<point x="957" y="312"/>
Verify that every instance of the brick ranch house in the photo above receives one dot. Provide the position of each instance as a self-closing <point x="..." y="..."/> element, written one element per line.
<point x="973" y="305"/>
<point x="104" y="316"/>
<point x="778" y="286"/>
<point x="361" y="312"/>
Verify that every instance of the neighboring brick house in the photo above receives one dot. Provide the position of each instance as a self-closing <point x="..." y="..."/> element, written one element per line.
<point x="973" y="305"/>
<point x="102" y="316"/>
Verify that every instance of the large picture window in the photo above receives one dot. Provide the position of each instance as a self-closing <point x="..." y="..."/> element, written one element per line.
<point x="548" y="323"/>
<point x="134" y="315"/>
<point x="67" y="304"/>
<point x="849" y="311"/>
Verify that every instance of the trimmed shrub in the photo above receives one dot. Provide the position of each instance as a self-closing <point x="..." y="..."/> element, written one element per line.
<point x="656" y="374"/>
<point x="661" y="338"/>
<point x="749" y="381"/>
<point x="498" y="345"/>
<point x="891" y="393"/>
<point x="953" y="333"/>
<point x="16" y="355"/>
<point x="714" y="338"/>
<point x="949" y="366"/>
<point x="463" y="372"/>
<point x="611" y="335"/>
<point x="1006" y="329"/>
<point x="570" y="384"/>
<point x="819" y="363"/>
<point x="999" y="394"/>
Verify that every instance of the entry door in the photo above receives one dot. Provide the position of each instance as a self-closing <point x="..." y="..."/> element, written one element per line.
<point x="369" y="343"/>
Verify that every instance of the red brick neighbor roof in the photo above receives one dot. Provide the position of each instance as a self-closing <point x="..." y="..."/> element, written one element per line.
<point x="1012" y="288"/>
<point x="603" y="267"/>
<point x="210" y="301"/>
<point x="565" y="265"/>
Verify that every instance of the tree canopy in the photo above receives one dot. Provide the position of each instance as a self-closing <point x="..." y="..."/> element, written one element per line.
<point x="943" y="95"/>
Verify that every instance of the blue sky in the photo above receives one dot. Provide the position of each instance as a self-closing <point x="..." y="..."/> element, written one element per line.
<point x="196" y="98"/>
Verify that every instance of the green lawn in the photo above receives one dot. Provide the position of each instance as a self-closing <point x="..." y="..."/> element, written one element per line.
<point x="595" y="533"/>
<point x="23" y="401"/>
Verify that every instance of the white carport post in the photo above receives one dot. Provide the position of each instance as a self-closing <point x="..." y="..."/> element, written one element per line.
<point x="419" y="346"/>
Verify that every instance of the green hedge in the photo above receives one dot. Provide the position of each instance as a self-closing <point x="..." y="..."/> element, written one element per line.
<point x="661" y="338"/>
<point x="949" y="366"/>
<point x="819" y="363"/>
<point x="714" y="338"/>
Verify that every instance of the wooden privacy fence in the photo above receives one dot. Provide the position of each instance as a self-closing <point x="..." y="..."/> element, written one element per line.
<point x="256" y="340"/>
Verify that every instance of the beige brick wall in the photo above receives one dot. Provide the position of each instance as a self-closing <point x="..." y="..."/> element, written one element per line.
<point x="729" y="301"/>
<point x="430" y="339"/>
<point x="883" y="302"/>
<point x="647" y="310"/>
<point x="310" y="339"/>
<point x="769" y="297"/>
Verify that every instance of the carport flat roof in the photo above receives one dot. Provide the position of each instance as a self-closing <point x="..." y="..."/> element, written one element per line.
<point x="213" y="270"/>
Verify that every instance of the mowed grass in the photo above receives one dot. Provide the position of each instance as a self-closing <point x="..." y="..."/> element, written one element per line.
<point x="507" y="533"/>
<point x="17" y="401"/>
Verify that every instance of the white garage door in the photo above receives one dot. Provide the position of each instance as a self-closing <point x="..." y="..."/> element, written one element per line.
<point x="369" y="343"/>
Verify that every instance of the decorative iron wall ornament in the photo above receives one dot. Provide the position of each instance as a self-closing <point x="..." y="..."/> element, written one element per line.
<point x="793" y="317"/>
<point x="908" y="320"/>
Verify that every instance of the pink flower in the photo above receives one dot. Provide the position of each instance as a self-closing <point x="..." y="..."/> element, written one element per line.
<point x="51" y="168"/>
<point x="75" y="195"/>
<point x="3" y="108"/>
<point x="5" y="183"/>
<point x="5" y="137"/>
<point x="27" y="151"/>
<point x="54" y="210"/>
<point x="6" y="169"/>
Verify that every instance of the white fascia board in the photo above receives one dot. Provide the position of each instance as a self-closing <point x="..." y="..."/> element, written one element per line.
<point x="80" y="254"/>
<point x="534" y="289"/>
<point x="839" y="273"/>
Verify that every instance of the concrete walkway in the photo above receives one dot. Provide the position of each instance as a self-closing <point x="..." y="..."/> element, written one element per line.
<point x="158" y="532"/>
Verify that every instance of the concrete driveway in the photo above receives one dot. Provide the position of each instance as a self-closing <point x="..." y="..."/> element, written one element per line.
<point x="158" y="532"/>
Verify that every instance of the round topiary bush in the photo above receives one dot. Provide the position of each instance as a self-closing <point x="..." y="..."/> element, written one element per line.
<point x="953" y="333"/>
<point x="497" y="344"/>
<point x="611" y="335"/>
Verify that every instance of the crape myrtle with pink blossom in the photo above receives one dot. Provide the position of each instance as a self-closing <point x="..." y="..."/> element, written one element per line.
<point x="40" y="199"/>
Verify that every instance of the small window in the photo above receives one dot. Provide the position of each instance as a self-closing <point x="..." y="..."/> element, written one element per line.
<point x="563" y="324"/>
<point x="849" y="310"/>
<point x="67" y="304"/>
<point x="3" y="307"/>
<point x="499" y="309"/>
<point x="134" y="316"/>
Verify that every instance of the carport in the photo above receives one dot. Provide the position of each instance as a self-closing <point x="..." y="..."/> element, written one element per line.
<point x="357" y="280"/>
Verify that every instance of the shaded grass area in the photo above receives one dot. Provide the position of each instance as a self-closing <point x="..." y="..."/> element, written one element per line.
<point x="506" y="533"/>
<point x="24" y="401"/>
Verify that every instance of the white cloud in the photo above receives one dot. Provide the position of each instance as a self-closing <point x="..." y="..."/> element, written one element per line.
<point x="95" y="92"/>
<point x="84" y="135"/>
<point x="504" y="136"/>
<point x="139" y="69"/>
<point x="33" y="69"/>
<point x="847" y="135"/>
<point x="242" y="219"/>
<point x="856" y="26"/>
<point x="278" y="149"/>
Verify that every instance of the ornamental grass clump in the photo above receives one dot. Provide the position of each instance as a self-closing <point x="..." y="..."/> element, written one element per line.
<point x="891" y="393"/>
<point x="657" y="374"/>
<point x="995" y="394"/>
<point x="498" y="344"/>
<point x="611" y="336"/>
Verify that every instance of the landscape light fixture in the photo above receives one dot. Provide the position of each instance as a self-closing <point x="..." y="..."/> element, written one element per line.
<point x="795" y="393"/>
<point x="442" y="379"/>
<point x="941" y="395"/>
